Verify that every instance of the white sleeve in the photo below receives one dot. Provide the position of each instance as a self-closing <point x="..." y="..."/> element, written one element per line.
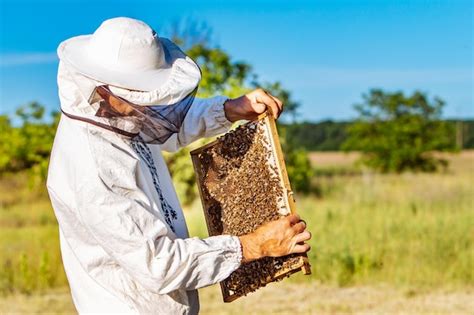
<point x="205" y="118"/>
<point x="118" y="217"/>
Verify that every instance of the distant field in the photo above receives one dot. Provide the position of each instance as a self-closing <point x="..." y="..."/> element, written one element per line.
<point x="463" y="160"/>
<point x="333" y="159"/>
<point x="408" y="236"/>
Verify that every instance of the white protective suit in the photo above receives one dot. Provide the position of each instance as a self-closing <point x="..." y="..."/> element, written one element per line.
<point x="119" y="254"/>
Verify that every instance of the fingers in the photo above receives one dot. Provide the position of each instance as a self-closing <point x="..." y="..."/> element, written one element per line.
<point x="293" y="218"/>
<point x="281" y="237"/>
<point x="279" y="103"/>
<point x="299" y="227"/>
<point x="300" y="248"/>
<point x="259" y="108"/>
<point x="264" y="98"/>
<point x="302" y="237"/>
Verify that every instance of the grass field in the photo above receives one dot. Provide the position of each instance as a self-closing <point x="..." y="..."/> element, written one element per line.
<point x="382" y="243"/>
<point x="287" y="298"/>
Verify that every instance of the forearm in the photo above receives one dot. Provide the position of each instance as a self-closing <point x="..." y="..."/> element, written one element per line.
<point x="205" y="118"/>
<point x="192" y="263"/>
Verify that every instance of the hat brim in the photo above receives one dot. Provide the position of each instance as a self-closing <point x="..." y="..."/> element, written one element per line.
<point x="73" y="51"/>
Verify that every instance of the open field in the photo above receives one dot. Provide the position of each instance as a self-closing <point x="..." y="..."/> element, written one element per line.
<point x="382" y="243"/>
<point x="305" y="298"/>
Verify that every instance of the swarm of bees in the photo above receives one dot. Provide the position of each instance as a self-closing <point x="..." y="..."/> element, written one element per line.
<point x="241" y="188"/>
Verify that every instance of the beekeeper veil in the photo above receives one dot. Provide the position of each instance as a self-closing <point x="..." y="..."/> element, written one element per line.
<point x="126" y="79"/>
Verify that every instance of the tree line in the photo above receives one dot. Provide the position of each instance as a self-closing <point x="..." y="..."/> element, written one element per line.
<point x="395" y="132"/>
<point x="330" y="135"/>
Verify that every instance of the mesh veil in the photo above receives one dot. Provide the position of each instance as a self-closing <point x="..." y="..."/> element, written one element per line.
<point x="150" y="123"/>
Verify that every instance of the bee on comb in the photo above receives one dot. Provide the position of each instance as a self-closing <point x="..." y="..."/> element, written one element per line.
<point x="243" y="184"/>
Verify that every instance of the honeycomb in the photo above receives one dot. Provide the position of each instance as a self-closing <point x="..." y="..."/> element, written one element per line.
<point x="241" y="188"/>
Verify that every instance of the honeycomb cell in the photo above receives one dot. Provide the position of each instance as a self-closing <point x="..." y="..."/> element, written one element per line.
<point x="241" y="187"/>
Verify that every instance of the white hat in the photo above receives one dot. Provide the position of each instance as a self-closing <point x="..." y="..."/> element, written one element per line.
<point x="127" y="53"/>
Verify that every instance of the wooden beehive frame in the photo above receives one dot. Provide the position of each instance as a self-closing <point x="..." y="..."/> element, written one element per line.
<point x="270" y="125"/>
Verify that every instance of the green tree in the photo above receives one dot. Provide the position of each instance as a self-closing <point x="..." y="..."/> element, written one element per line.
<point x="28" y="145"/>
<point x="397" y="132"/>
<point x="221" y="75"/>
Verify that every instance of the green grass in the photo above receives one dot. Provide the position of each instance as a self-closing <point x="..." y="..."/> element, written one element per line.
<point x="29" y="243"/>
<point x="407" y="230"/>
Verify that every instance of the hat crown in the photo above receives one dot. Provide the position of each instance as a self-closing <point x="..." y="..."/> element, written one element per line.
<point x="127" y="44"/>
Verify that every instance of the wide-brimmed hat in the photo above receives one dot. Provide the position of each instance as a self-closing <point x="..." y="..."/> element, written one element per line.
<point x="127" y="53"/>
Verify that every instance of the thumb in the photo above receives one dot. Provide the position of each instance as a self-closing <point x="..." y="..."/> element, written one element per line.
<point x="258" y="107"/>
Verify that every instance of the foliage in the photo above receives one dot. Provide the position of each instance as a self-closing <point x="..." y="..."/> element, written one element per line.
<point x="298" y="165"/>
<point x="297" y="161"/>
<point x="276" y="89"/>
<point x="330" y="135"/>
<point x="25" y="277"/>
<point x="223" y="76"/>
<point x="397" y="132"/>
<point x="464" y="133"/>
<point x="220" y="75"/>
<point x="299" y="170"/>
<point x="27" y="146"/>
<point x="326" y="135"/>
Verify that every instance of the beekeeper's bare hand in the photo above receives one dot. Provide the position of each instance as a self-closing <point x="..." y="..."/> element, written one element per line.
<point x="250" y="105"/>
<point x="281" y="237"/>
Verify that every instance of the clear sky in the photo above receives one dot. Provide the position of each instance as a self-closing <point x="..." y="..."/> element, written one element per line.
<point x="326" y="52"/>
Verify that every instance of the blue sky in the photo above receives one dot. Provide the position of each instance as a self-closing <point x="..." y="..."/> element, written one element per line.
<point x="326" y="52"/>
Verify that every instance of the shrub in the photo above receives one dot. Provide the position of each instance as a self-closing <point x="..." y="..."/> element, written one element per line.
<point x="397" y="132"/>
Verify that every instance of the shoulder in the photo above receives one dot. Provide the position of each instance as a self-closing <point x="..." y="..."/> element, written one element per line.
<point x="84" y="154"/>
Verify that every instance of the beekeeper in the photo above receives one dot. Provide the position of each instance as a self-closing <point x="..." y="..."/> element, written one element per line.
<point x="127" y="94"/>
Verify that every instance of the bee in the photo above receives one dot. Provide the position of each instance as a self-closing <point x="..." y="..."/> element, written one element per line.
<point x="242" y="189"/>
